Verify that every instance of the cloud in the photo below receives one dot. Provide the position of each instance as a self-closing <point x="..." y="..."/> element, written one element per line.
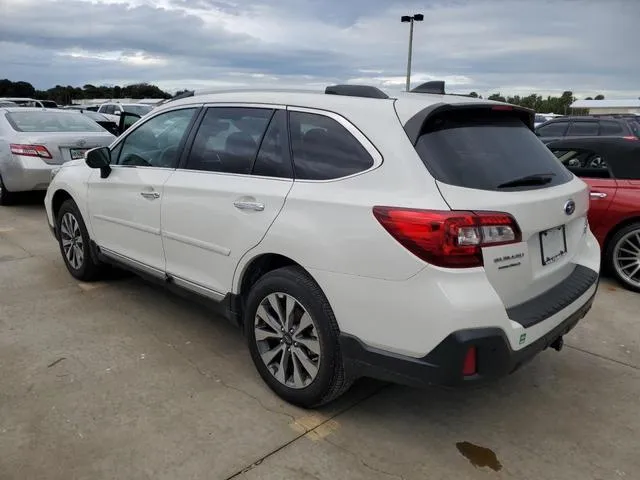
<point x="487" y="46"/>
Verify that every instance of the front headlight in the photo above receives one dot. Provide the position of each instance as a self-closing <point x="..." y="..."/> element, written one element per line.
<point x="54" y="171"/>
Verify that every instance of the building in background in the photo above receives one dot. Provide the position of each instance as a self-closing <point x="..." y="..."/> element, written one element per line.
<point x="604" y="107"/>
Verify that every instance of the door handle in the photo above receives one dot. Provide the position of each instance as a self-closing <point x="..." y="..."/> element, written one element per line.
<point x="150" y="195"/>
<point x="597" y="195"/>
<point x="256" y="206"/>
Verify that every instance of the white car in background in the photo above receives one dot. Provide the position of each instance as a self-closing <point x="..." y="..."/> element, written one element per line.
<point x="421" y="238"/>
<point x="34" y="141"/>
<point x="114" y="110"/>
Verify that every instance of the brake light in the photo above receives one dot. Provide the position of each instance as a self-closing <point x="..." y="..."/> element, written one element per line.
<point x="452" y="239"/>
<point x="469" y="366"/>
<point x="502" y="107"/>
<point x="629" y="137"/>
<point x="30" y="150"/>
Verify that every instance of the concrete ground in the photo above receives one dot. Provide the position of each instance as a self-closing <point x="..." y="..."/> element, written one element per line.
<point x="124" y="380"/>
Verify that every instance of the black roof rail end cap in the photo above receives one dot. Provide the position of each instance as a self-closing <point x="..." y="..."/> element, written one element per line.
<point x="366" y="91"/>
<point x="435" y="86"/>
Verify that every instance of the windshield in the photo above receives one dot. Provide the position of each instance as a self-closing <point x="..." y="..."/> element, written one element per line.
<point x="137" y="109"/>
<point x="486" y="151"/>
<point x="48" y="121"/>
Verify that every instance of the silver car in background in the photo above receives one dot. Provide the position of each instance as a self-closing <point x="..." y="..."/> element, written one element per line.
<point x="33" y="141"/>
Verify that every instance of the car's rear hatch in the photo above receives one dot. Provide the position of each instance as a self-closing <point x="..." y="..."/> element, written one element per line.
<point x="486" y="158"/>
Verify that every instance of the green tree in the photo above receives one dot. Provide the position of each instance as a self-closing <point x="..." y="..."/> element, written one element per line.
<point x="473" y="94"/>
<point x="599" y="97"/>
<point x="497" y="97"/>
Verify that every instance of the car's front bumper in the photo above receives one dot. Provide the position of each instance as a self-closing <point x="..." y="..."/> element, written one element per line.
<point x="444" y="364"/>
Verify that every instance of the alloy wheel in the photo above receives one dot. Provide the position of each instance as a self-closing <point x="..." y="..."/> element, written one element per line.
<point x="71" y="239"/>
<point x="626" y="258"/>
<point x="287" y="340"/>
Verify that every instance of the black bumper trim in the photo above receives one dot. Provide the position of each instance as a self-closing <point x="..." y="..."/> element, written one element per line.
<point x="555" y="299"/>
<point x="443" y="365"/>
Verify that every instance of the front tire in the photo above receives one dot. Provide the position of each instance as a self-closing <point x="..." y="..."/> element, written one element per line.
<point x="623" y="256"/>
<point x="294" y="338"/>
<point x="75" y="244"/>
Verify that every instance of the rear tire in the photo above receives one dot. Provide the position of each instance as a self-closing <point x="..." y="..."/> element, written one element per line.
<point x="75" y="244"/>
<point x="6" y="197"/>
<point x="623" y="256"/>
<point x="293" y="338"/>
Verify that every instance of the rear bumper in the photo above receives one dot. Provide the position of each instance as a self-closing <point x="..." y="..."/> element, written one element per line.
<point x="443" y="365"/>
<point x="22" y="174"/>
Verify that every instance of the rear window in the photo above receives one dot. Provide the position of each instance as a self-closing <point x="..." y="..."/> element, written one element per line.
<point x="485" y="151"/>
<point x="42" y="121"/>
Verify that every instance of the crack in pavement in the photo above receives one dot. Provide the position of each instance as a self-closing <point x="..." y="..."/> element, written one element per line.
<point x="365" y="464"/>
<point x="241" y="473"/>
<point x="603" y="357"/>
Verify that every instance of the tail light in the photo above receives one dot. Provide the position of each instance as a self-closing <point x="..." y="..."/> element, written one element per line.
<point x="30" y="150"/>
<point x="452" y="239"/>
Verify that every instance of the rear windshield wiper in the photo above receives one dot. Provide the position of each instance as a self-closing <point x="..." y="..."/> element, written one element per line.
<point x="536" y="179"/>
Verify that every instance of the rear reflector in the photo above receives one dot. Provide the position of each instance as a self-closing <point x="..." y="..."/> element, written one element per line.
<point x="469" y="366"/>
<point x="30" y="150"/>
<point x="452" y="239"/>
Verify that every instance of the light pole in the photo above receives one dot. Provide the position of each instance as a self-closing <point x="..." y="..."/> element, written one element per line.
<point x="418" y="17"/>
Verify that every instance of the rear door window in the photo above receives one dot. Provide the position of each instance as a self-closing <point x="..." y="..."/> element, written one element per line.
<point x="485" y="150"/>
<point x="228" y="139"/>
<point x="555" y="129"/>
<point x="610" y="127"/>
<point x="323" y="149"/>
<point x="273" y="158"/>
<point x="582" y="129"/>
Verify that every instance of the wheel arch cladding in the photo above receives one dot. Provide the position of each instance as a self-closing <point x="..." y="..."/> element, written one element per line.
<point x="259" y="266"/>
<point x="58" y="199"/>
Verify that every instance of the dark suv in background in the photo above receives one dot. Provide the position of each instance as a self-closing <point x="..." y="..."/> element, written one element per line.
<point x="588" y="126"/>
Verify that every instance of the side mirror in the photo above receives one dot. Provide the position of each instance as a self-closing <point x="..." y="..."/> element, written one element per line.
<point x="99" y="158"/>
<point x="126" y="120"/>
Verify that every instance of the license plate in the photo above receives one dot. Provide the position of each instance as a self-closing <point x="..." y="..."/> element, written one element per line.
<point x="77" y="153"/>
<point x="553" y="244"/>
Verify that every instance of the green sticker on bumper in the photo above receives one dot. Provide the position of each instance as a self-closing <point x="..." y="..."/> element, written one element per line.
<point x="523" y="337"/>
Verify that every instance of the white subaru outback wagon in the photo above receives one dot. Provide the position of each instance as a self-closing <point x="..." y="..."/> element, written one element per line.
<point x="422" y="238"/>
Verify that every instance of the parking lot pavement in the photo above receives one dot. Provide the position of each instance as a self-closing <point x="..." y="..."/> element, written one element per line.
<point x="122" y="379"/>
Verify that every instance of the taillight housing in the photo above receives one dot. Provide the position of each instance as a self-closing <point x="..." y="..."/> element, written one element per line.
<point x="452" y="239"/>
<point x="30" y="150"/>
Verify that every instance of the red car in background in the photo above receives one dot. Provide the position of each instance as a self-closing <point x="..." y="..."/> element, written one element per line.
<point x="611" y="167"/>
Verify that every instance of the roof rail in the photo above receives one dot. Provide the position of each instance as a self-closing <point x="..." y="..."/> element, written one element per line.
<point x="436" y="86"/>
<point x="366" y="91"/>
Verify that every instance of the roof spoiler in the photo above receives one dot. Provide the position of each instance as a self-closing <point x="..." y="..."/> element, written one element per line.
<point x="413" y="126"/>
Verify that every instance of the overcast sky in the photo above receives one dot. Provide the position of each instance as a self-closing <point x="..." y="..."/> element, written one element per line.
<point x="508" y="46"/>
